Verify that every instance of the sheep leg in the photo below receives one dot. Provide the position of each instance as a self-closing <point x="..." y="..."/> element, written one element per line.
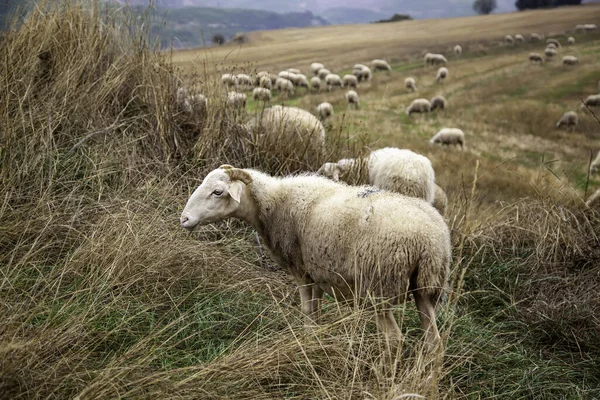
<point x="393" y="335"/>
<point x="427" y="317"/>
<point x="308" y="303"/>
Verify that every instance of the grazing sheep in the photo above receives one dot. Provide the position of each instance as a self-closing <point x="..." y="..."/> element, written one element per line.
<point x="535" y="37"/>
<point x="229" y="80"/>
<point x="458" y="49"/>
<point x="553" y="41"/>
<point x="236" y="100"/>
<point x="442" y="74"/>
<point x="438" y="102"/>
<point x="294" y="71"/>
<point x="410" y="84"/>
<point x="315" y="67"/>
<point x="594" y="200"/>
<point x="197" y="102"/>
<point x="418" y="106"/>
<point x="325" y="110"/>
<point x="535" y="58"/>
<point x="595" y="165"/>
<point x="571" y="40"/>
<point x="519" y="38"/>
<point x="320" y="231"/>
<point x="440" y="200"/>
<point x="579" y="28"/>
<point x="449" y="136"/>
<point x="290" y="76"/>
<point x="380" y="65"/>
<point x="323" y="72"/>
<point x="435" y="59"/>
<point x="362" y="74"/>
<point x="350" y="81"/>
<point x="358" y="66"/>
<point x="265" y="82"/>
<point x="550" y="52"/>
<point x="261" y="94"/>
<point x="182" y="99"/>
<point x="300" y="80"/>
<point x="589" y="27"/>
<point x="315" y="83"/>
<point x="259" y="75"/>
<point x="352" y="98"/>
<point x="552" y="45"/>
<point x="569" y="119"/>
<point x="284" y="86"/>
<point x="244" y="82"/>
<point x="591" y="101"/>
<point x="333" y="80"/>
<point x="570" y="60"/>
<point x="508" y="39"/>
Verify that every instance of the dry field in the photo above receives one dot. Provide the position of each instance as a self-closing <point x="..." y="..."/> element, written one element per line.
<point x="103" y="295"/>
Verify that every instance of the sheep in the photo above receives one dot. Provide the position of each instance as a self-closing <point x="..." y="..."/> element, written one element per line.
<point x="319" y="231"/>
<point x="325" y="110"/>
<point x="569" y="119"/>
<point x="418" y="106"/>
<point x="350" y="81"/>
<point x="438" y="102"/>
<point x="552" y="45"/>
<point x="236" y="100"/>
<point x="301" y="80"/>
<point x="449" y="136"/>
<point x="315" y="83"/>
<point x="410" y="84"/>
<point x="580" y="28"/>
<point x="440" y="200"/>
<point x="352" y="98"/>
<point x="553" y="41"/>
<point x="229" y="80"/>
<point x="315" y="67"/>
<point x="261" y="94"/>
<point x="535" y="58"/>
<point x="333" y="80"/>
<point x="589" y="27"/>
<point x="265" y="82"/>
<point x="458" y="50"/>
<point x="323" y="72"/>
<point x="519" y="38"/>
<point x="380" y="65"/>
<point x="591" y="101"/>
<point x="570" y="40"/>
<point x="358" y="66"/>
<point x="198" y="102"/>
<point x="442" y="74"/>
<point x="284" y="86"/>
<point x="535" y="37"/>
<point x="435" y="59"/>
<point x="290" y="76"/>
<point x="550" y="52"/>
<point x="294" y="71"/>
<point x="362" y="74"/>
<point x="244" y="82"/>
<point x="182" y="99"/>
<point x="259" y="75"/>
<point x="595" y="165"/>
<point x="508" y="39"/>
<point x="397" y="170"/>
<point x="570" y="60"/>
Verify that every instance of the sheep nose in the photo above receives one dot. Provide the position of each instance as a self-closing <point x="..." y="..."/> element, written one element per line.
<point x="183" y="220"/>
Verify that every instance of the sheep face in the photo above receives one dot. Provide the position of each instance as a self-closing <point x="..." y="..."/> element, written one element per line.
<point x="218" y="197"/>
<point x="330" y="170"/>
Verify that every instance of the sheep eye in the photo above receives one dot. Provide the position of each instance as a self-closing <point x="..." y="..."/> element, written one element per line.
<point x="217" y="192"/>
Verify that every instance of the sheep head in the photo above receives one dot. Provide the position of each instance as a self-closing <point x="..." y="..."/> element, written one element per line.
<point x="330" y="170"/>
<point x="218" y="197"/>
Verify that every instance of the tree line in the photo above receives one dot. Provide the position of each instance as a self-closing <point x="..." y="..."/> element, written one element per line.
<point x="487" y="6"/>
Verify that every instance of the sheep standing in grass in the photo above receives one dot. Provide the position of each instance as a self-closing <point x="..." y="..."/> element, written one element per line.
<point x="508" y="39"/>
<point x="261" y="94"/>
<point x="449" y="136"/>
<point x="590" y="27"/>
<point x="350" y="81"/>
<point x="519" y="38"/>
<point x="315" y="84"/>
<point x="535" y="58"/>
<point x="435" y="59"/>
<point x="550" y="52"/>
<point x="410" y="84"/>
<point x="591" y="101"/>
<point x="570" y="60"/>
<point x="552" y="41"/>
<point x="535" y="37"/>
<point x="418" y="106"/>
<point x="284" y="86"/>
<point x="595" y="165"/>
<point x="569" y="119"/>
<point x="300" y="80"/>
<point x="333" y="80"/>
<point x="442" y="74"/>
<point x="229" y="80"/>
<point x="438" y="102"/>
<point x="552" y="46"/>
<point x="458" y="50"/>
<point x="380" y="65"/>
<point x="244" y="82"/>
<point x="315" y="67"/>
<point x="325" y="110"/>
<point x="236" y="100"/>
<point x="323" y="72"/>
<point x="571" y="41"/>
<point x="320" y="231"/>
<point x="294" y="71"/>
<point x="362" y="74"/>
<point x="352" y="99"/>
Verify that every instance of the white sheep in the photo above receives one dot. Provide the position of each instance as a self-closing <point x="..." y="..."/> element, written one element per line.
<point x="458" y="49"/>
<point x="319" y="231"/>
<point x="380" y="65"/>
<point x="333" y="80"/>
<point x="265" y="82"/>
<point x="198" y="102"/>
<point x="590" y="27"/>
<point x="362" y="74"/>
<point x="535" y="37"/>
<point x="290" y="76"/>
<point x="570" y="60"/>
<point x="261" y="94"/>
<point x="591" y="101"/>
<point x="323" y="72"/>
<point x="325" y="110"/>
<point x="438" y="102"/>
<point x="569" y="119"/>
<point x="301" y="80"/>
<point x="350" y="81"/>
<point x="442" y="74"/>
<point x="571" y="40"/>
<point x="553" y="41"/>
<point x="244" y="82"/>
<point x="358" y="66"/>
<point x="508" y="39"/>
<point x="449" y="136"/>
<point x="284" y="86"/>
<point x="352" y="98"/>
<point x="315" y="67"/>
<point x="552" y="45"/>
<point x="294" y="71"/>
<point x="182" y="99"/>
<point x="535" y="58"/>
<point x="435" y="59"/>
<point x="418" y="106"/>
<point x="315" y="83"/>
<point x="229" y="80"/>
<point x="410" y="84"/>
<point x="579" y="28"/>
<point x="519" y="38"/>
<point x="236" y="100"/>
<point x="550" y="52"/>
<point x="595" y="165"/>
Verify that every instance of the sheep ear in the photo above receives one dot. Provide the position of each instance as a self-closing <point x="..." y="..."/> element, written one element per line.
<point x="235" y="190"/>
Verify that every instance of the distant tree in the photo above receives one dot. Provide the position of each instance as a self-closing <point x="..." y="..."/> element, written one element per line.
<point x="218" y="38"/>
<point x="484" y="6"/>
<point x="395" y="18"/>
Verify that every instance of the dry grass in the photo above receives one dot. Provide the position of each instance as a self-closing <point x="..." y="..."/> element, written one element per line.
<point x="102" y="295"/>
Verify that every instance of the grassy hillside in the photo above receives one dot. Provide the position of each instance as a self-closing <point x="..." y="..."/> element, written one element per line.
<point x="103" y="294"/>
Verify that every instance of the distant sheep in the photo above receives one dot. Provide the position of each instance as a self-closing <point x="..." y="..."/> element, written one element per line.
<point x="535" y="58"/>
<point x="442" y="74"/>
<point x="550" y="52"/>
<point x="261" y="94"/>
<point x="315" y="67"/>
<point x="569" y="119"/>
<point x="553" y="41"/>
<point x="595" y="165"/>
<point x="410" y="84"/>
<point x="323" y="72"/>
<point x="552" y="45"/>
<point x="229" y="80"/>
<point x="458" y="50"/>
<point x="508" y="39"/>
<point x="419" y="106"/>
<point x="535" y="37"/>
<point x="325" y="110"/>
<point x="592" y="101"/>
<point x="585" y="28"/>
<point x="244" y="82"/>
<point x="352" y="98"/>
<point x="195" y="103"/>
<point x="350" y="81"/>
<point x="236" y="100"/>
<point x="315" y="83"/>
<point x="440" y="200"/>
<point x="571" y="40"/>
<point x="449" y="136"/>
<point x="284" y="86"/>
<point x="300" y="80"/>
<point x="362" y="74"/>
<point x="570" y="60"/>
<point x="435" y="59"/>
<point x="519" y="38"/>
<point x="258" y="77"/>
<point x="333" y="80"/>
<point x="380" y="65"/>
<point x="290" y="76"/>
<point x="438" y="102"/>
<point x="294" y="71"/>
<point x="265" y="82"/>
<point x="319" y="231"/>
